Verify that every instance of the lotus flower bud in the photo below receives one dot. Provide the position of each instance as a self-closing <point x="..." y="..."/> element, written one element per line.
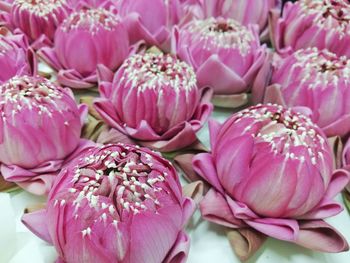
<point x="40" y="127"/>
<point x="84" y="40"/>
<point x="312" y="23"/>
<point x="271" y="169"/>
<point x="154" y="97"/>
<point x="38" y="18"/>
<point x="244" y="11"/>
<point x="151" y="20"/>
<point x="317" y="79"/>
<point x="16" y="58"/>
<point x="116" y="203"/>
<point x="225" y="55"/>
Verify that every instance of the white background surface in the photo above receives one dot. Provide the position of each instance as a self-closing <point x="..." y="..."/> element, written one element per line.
<point x="208" y="241"/>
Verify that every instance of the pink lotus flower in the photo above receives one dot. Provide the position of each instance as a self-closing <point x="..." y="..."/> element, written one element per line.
<point x="16" y="58"/>
<point x="116" y="203"/>
<point x="317" y="79"/>
<point x="151" y="20"/>
<point x="271" y="170"/>
<point x="85" y="40"/>
<point x="225" y="55"/>
<point x="40" y="129"/>
<point x="38" y="19"/>
<point x="244" y="11"/>
<point x="154" y="99"/>
<point x="312" y="23"/>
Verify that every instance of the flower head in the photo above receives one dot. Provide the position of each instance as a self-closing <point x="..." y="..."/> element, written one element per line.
<point x="313" y="23"/>
<point x="16" y="58"/>
<point x="154" y="97"/>
<point x="40" y="127"/>
<point x="317" y="79"/>
<point x="86" y="39"/>
<point x="244" y="11"/>
<point x="269" y="168"/>
<point x="151" y="20"/>
<point x="224" y="54"/>
<point x="38" y="18"/>
<point x="117" y="203"/>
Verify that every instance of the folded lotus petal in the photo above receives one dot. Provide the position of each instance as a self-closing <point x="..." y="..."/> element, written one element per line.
<point x="339" y="180"/>
<point x="240" y="210"/>
<point x="320" y="236"/>
<point x="184" y="138"/>
<point x="48" y="55"/>
<point x="273" y="95"/>
<point x="326" y="208"/>
<point x="214" y="208"/>
<point x="230" y="101"/>
<point x="245" y="242"/>
<point x="37" y="223"/>
<point x="340" y="126"/>
<point x="37" y="181"/>
<point x="283" y="229"/>
<point x="73" y="79"/>
<point x="104" y="74"/>
<point x="113" y="136"/>
<point x="188" y="206"/>
<point x="214" y="128"/>
<point x="184" y="161"/>
<point x="203" y="165"/>
<point x="179" y="252"/>
<point x="194" y="190"/>
<point x="226" y="80"/>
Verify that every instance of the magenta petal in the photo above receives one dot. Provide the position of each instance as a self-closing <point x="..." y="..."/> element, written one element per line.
<point x="339" y="180"/>
<point x="179" y="252"/>
<point x="104" y="74"/>
<point x="204" y="166"/>
<point x="36" y="222"/>
<point x="184" y="161"/>
<point x="273" y="95"/>
<point x="49" y="56"/>
<point x="72" y="78"/>
<point x="339" y="127"/>
<point x="214" y="208"/>
<point x="214" y="128"/>
<point x="225" y="81"/>
<point x="325" y="209"/>
<point x="320" y="236"/>
<point x="114" y="136"/>
<point x="284" y="229"/>
<point x="189" y="207"/>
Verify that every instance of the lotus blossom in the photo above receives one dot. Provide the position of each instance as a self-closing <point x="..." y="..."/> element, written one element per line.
<point x="16" y="58"/>
<point x="244" y="11"/>
<point x="40" y="129"/>
<point x="271" y="170"/>
<point x="317" y="79"/>
<point x="225" y="55"/>
<point x="312" y="23"/>
<point x="88" y="38"/>
<point x="151" y="20"/>
<point x="38" y="19"/>
<point x="116" y="203"/>
<point x="154" y="99"/>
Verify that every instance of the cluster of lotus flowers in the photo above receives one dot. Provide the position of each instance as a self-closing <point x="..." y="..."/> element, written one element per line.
<point x="274" y="167"/>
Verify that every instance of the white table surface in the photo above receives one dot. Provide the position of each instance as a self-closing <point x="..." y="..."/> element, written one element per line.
<point x="208" y="241"/>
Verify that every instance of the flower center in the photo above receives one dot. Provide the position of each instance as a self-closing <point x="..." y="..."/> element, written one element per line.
<point x="320" y="67"/>
<point x="92" y="20"/>
<point x="285" y="131"/>
<point x="333" y="14"/>
<point x="157" y="71"/>
<point x="28" y="92"/>
<point x="123" y="174"/>
<point x="40" y="7"/>
<point x="221" y="33"/>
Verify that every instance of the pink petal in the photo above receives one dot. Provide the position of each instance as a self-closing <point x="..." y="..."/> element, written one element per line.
<point x="36" y="223"/>
<point x="179" y="252"/>
<point x="320" y="236"/>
